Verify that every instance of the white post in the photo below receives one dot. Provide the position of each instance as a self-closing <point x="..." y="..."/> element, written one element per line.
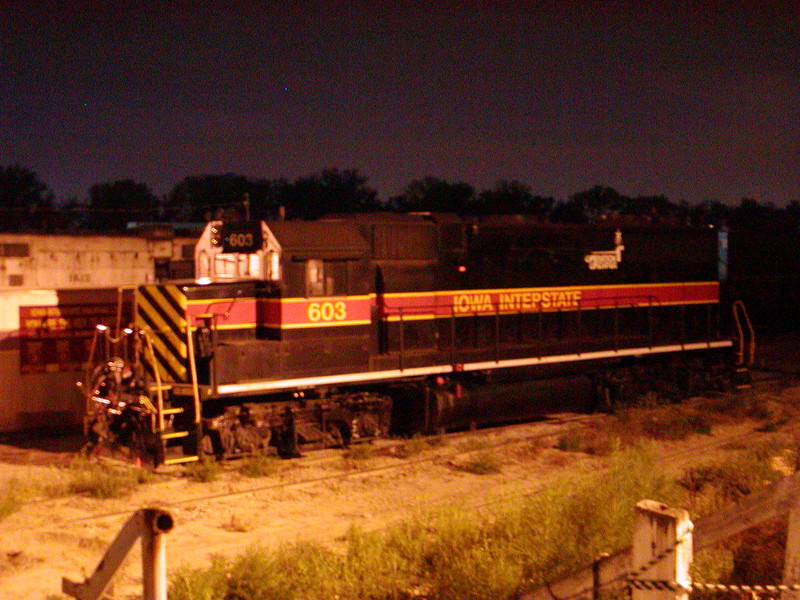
<point x="154" y="553"/>
<point x="791" y="561"/>
<point x="661" y="552"/>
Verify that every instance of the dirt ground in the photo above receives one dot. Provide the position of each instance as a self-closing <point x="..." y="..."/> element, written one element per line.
<point x="317" y="497"/>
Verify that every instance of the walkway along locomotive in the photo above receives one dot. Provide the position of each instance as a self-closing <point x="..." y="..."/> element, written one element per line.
<point x="332" y="331"/>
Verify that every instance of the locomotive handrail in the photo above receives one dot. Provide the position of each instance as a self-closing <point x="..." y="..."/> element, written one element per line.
<point x="193" y="372"/>
<point x="744" y="355"/>
<point x="120" y="291"/>
<point x="228" y="310"/>
<point x="402" y="314"/>
<point x="157" y="375"/>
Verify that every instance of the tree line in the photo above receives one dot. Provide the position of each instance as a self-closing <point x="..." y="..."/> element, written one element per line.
<point x="26" y="203"/>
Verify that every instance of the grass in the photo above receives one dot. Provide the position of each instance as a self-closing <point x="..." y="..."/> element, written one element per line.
<point x="356" y="456"/>
<point x="10" y="500"/>
<point x="755" y="557"/>
<point x="714" y="485"/>
<point x="675" y="423"/>
<point x="259" y="465"/>
<point x="81" y="477"/>
<point x="205" y="470"/>
<point x="412" y="447"/>
<point x="450" y="553"/>
<point x="596" y="441"/>
<point x="498" y="550"/>
<point x="481" y="463"/>
<point x="360" y="451"/>
<point x="668" y="422"/>
<point x="237" y="525"/>
<point x="96" y="479"/>
<point x="509" y="546"/>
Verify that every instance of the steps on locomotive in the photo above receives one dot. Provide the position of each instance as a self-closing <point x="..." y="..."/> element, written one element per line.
<point x="742" y="379"/>
<point x="179" y="436"/>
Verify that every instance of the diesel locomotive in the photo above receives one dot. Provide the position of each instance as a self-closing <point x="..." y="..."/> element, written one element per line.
<point x="334" y="331"/>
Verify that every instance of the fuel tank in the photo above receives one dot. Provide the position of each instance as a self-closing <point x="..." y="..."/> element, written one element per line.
<point x="441" y="403"/>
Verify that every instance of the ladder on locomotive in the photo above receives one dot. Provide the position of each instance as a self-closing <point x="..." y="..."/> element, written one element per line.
<point x="177" y="419"/>
<point x="178" y="444"/>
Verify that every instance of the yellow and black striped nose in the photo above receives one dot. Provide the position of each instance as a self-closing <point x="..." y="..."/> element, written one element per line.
<point x="161" y="311"/>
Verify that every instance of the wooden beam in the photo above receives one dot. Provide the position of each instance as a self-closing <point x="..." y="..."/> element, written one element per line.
<point x="773" y="501"/>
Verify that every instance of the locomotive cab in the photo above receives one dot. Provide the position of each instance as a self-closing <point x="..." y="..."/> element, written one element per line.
<point x="237" y="251"/>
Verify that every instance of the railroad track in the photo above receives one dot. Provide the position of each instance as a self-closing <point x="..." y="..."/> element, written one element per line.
<point x="471" y="442"/>
<point x="453" y="446"/>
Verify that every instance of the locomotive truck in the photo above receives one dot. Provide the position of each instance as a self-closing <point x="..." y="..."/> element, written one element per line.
<point x="330" y="332"/>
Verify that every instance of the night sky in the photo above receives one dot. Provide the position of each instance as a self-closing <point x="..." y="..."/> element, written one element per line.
<point x="697" y="101"/>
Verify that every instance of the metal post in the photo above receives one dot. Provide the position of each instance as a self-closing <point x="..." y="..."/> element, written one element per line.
<point x="452" y="335"/>
<point x="539" y="342"/>
<point x="402" y="341"/>
<point x="497" y="332"/>
<point x="597" y="586"/>
<point x="154" y="554"/>
<point x="150" y="524"/>
<point x="683" y="325"/>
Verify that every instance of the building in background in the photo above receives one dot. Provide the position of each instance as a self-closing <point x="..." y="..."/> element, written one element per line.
<point x="54" y="289"/>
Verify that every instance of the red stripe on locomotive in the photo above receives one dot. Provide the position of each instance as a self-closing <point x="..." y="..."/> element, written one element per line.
<point x="286" y="313"/>
<point x="295" y="313"/>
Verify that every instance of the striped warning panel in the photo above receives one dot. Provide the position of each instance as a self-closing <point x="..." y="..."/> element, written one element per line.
<point x="161" y="311"/>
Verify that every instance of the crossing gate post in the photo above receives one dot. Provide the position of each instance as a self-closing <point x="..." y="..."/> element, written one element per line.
<point x="661" y="552"/>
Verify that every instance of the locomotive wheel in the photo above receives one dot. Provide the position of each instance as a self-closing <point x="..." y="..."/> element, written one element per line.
<point x="368" y="426"/>
<point x="333" y="435"/>
<point x="206" y="446"/>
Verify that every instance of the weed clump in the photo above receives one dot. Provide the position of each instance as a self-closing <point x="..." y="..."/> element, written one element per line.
<point x="482" y="463"/>
<point x="98" y="480"/>
<point x="450" y="553"/>
<point x="587" y="440"/>
<point x="360" y="452"/>
<point x="675" y="424"/>
<point x="411" y="447"/>
<point x="9" y="499"/>
<point x="205" y="470"/>
<point x="259" y="465"/>
<point x="732" y="479"/>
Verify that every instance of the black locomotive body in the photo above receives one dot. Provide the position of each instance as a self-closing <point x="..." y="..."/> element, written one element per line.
<point x="319" y="331"/>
